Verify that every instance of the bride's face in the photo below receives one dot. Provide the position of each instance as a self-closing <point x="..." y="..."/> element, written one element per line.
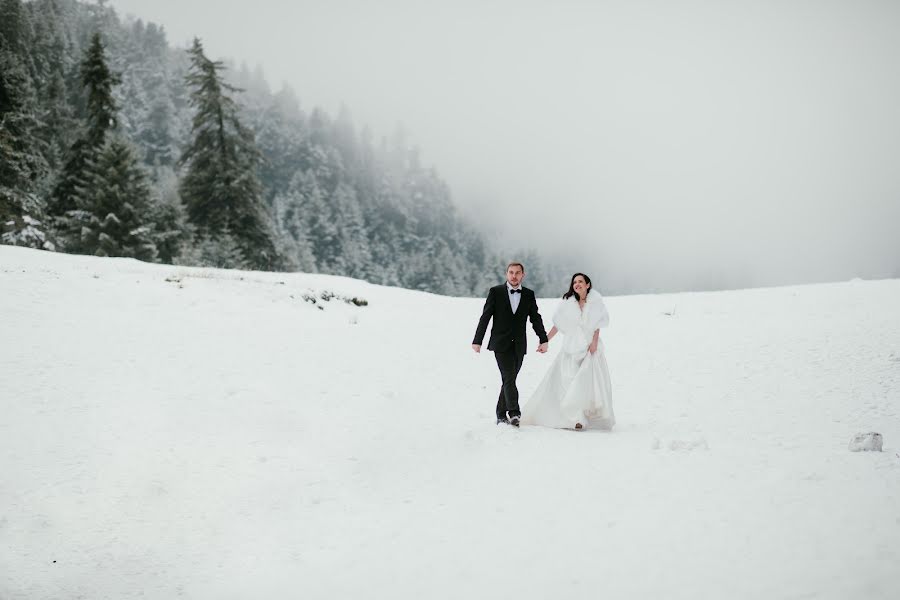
<point x="580" y="286"/>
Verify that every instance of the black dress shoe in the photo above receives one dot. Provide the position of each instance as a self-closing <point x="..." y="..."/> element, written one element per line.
<point x="503" y="420"/>
<point x="514" y="421"/>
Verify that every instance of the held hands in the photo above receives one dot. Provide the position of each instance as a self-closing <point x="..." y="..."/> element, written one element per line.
<point x="476" y="348"/>
<point x="594" y="342"/>
<point x="542" y="348"/>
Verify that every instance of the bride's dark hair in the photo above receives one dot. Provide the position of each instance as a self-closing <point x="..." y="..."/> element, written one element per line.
<point x="572" y="291"/>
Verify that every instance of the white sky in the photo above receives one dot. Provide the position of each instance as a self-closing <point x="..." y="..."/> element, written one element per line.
<point x="663" y="145"/>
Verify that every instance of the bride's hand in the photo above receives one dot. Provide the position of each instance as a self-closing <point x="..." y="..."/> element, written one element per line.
<point x="593" y="347"/>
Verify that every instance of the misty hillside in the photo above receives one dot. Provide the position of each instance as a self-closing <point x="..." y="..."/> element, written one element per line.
<point x="108" y="148"/>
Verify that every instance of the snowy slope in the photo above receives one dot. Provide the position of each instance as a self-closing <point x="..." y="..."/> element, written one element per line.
<point x="216" y="436"/>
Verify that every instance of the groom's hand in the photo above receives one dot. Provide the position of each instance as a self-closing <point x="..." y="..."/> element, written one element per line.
<point x="543" y="347"/>
<point x="476" y="347"/>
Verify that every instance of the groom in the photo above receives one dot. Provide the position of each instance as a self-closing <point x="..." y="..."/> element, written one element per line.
<point x="509" y="304"/>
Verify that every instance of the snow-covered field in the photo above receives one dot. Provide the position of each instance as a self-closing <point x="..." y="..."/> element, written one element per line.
<point x="171" y="432"/>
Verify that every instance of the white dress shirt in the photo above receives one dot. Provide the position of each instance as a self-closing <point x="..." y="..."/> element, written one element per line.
<point x="514" y="298"/>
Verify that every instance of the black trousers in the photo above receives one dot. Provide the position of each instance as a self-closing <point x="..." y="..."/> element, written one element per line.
<point x="509" y="364"/>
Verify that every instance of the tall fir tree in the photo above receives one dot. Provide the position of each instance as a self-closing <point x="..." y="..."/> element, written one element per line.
<point x="75" y="178"/>
<point x="99" y="81"/>
<point x="104" y="204"/>
<point x="220" y="187"/>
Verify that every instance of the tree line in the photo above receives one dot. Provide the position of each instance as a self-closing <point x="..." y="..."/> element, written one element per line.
<point x="113" y="143"/>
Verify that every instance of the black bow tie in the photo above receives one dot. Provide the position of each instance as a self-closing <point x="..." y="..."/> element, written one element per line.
<point x="515" y="291"/>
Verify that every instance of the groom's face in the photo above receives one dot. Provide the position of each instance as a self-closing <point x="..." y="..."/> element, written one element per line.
<point x="515" y="275"/>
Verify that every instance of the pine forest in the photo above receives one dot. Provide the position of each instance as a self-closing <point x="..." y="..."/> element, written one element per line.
<point x="115" y="143"/>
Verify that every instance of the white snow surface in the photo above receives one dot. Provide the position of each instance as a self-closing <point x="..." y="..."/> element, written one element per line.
<point x="215" y="436"/>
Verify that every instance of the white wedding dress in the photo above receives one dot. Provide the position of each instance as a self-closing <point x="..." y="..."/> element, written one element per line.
<point x="576" y="388"/>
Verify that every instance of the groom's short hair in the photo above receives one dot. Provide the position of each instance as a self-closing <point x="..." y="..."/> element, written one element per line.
<point x="516" y="264"/>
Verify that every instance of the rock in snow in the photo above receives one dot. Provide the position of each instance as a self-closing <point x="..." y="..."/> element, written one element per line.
<point x="866" y="442"/>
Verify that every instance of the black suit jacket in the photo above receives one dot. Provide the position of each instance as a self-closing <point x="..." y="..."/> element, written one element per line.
<point x="508" y="330"/>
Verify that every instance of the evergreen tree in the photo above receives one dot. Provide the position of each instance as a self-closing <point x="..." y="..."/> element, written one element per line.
<point x="75" y="179"/>
<point x="172" y="233"/>
<point x="99" y="82"/>
<point x="317" y="225"/>
<point x="57" y="122"/>
<point x="115" y="218"/>
<point x="22" y="164"/>
<point x="220" y="186"/>
<point x="104" y="204"/>
<point x="293" y="226"/>
<point x="353" y="256"/>
<point x="52" y="56"/>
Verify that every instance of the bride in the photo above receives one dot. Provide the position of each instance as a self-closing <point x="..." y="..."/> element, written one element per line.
<point x="575" y="393"/>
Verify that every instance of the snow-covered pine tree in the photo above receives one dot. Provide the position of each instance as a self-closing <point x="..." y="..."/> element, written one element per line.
<point x="172" y="233"/>
<point x="320" y="228"/>
<point x="99" y="81"/>
<point x="75" y="178"/>
<point x="109" y="210"/>
<point x="353" y="256"/>
<point x="294" y="222"/>
<point x="220" y="186"/>
<point x="115" y="217"/>
<point x="148" y="110"/>
<point x="22" y="164"/>
<point x="52" y="57"/>
<point x="291" y="227"/>
<point x="132" y="98"/>
<point x="57" y="124"/>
